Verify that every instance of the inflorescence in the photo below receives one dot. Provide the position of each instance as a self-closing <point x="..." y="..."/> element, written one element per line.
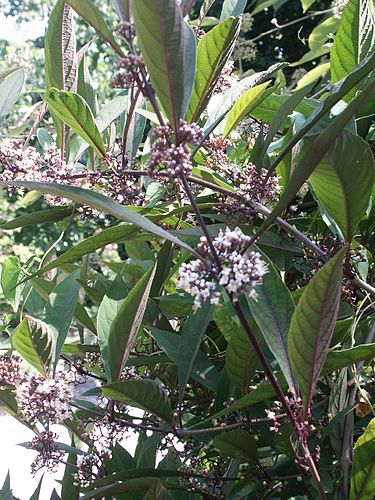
<point x="173" y="156"/>
<point x="239" y="272"/>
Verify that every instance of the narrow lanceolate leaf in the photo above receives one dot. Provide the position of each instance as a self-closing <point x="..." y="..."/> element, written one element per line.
<point x="191" y="338"/>
<point x="355" y="39"/>
<point x="362" y="482"/>
<point x="125" y="326"/>
<point x="60" y="308"/>
<point x="60" y="49"/>
<point x="343" y="181"/>
<point x="103" y="204"/>
<point x="232" y="8"/>
<point x="107" y="312"/>
<point x="10" y="89"/>
<point x="245" y="104"/>
<point x="53" y="214"/>
<point x="92" y="15"/>
<point x="75" y="112"/>
<point x="312" y="326"/>
<point x="315" y="153"/>
<point x="34" y="341"/>
<point x="168" y="47"/>
<point x="338" y="359"/>
<point x="273" y="311"/>
<point x="212" y="53"/>
<point x="145" y="394"/>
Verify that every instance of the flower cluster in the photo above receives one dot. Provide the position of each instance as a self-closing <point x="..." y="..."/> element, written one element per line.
<point x="102" y="437"/>
<point x="45" y="399"/>
<point x="217" y="148"/>
<point x="20" y="164"/>
<point x="129" y="68"/>
<point x="226" y="79"/>
<point x="173" y="157"/>
<point x="239" y="273"/>
<point x="10" y="370"/>
<point x="338" y="7"/>
<point x="254" y="183"/>
<point x="126" y="30"/>
<point x="49" y="455"/>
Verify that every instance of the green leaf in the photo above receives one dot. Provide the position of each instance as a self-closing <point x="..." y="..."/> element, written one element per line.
<point x="123" y="9"/>
<point x="129" y="487"/>
<point x="273" y="311"/>
<point x="338" y="359"/>
<point x="362" y="481"/>
<point x="85" y="86"/>
<point x="107" y="312"/>
<point x="232" y="8"/>
<point x="60" y="49"/>
<point x="145" y="394"/>
<point x="10" y="274"/>
<point x="315" y="153"/>
<point x="191" y="338"/>
<point x="343" y="181"/>
<point x="36" y="494"/>
<point x="53" y="214"/>
<point x="312" y="326"/>
<point x="158" y="492"/>
<point x="168" y="47"/>
<point x="125" y="325"/>
<point x="306" y="4"/>
<point x="203" y="371"/>
<point x="354" y="40"/>
<point x="69" y="487"/>
<point x="237" y="444"/>
<point x="92" y="15"/>
<point x="102" y="204"/>
<point x="75" y="112"/>
<point x="240" y="360"/>
<point x="213" y="51"/>
<point x="248" y="101"/>
<point x="34" y="341"/>
<point x="60" y="308"/>
<point x="44" y="288"/>
<point x="313" y="75"/>
<point x="10" y="89"/>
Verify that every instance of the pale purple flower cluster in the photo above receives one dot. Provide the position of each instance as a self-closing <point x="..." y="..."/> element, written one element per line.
<point x="226" y="79"/>
<point x="45" y="399"/>
<point x="173" y="156"/>
<point x="10" y="370"/>
<point x="130" y="66"/>
<point x="239" y="272"/>
<point x="254" y="183"/>
<point x="217" y="148"/>
<point x="102" y="437"/>
<point x="26" y="164"/>
<point x="49" y="455"/>
<point x="126" y="30"/>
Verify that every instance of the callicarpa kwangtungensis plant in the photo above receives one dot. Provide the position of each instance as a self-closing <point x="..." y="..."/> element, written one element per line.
<point x="205" y="287"/>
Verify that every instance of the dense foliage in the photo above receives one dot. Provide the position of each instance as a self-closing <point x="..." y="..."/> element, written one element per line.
<point x="188" y="249"/>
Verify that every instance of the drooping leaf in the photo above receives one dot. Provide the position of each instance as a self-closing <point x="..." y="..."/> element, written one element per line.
<point x="107" y="312"/>
<point x="232" y="8"/>
<point x="145" y="394"/>
<point x="213" y="51"/>
<point x="237" y="444"/>
<point x="273" y="311"/>
<point x="248" y="101"/>
<point x="34" y="341"/>
<point x="60" y="309"/>
<point x="10" y="89"/>
<point x="168" y="47"/>
<point x="125" y="325"/>
<point x="362" y="482"/>
<point x="354" y="40"/>
<point x="92" y="15"/>
<point x="343" y="181"/>
<point x="312" y="326"/>
<point x="103" y="204"/>
<point x="53" y="214"/>
<point x="191" y="338"/>
<point x="10" y="274"/>
<point x="75" y="112"/>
